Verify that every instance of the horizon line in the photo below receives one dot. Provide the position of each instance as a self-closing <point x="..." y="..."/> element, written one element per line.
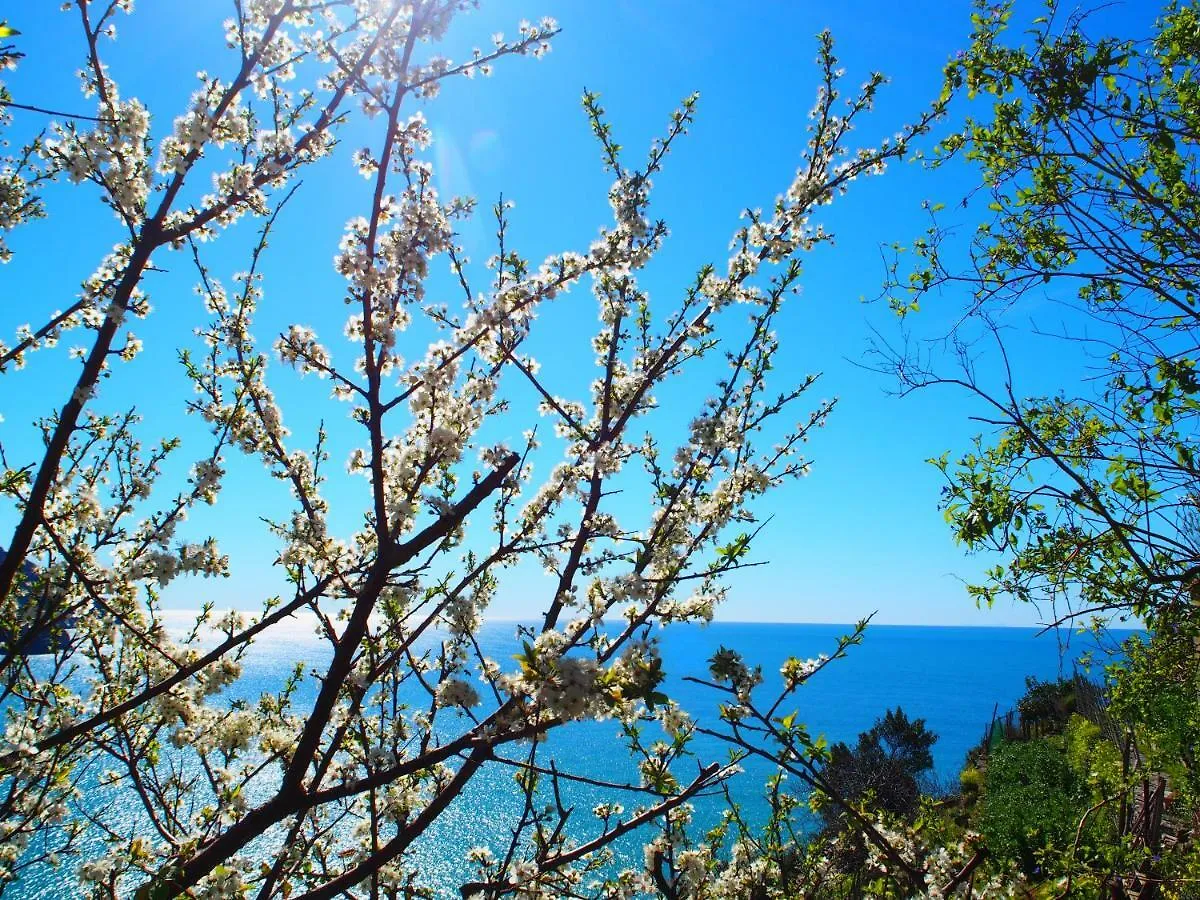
<point x="1040" y="627"/>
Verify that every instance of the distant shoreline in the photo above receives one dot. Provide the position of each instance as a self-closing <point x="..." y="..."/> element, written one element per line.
<point x="191" y="612"/>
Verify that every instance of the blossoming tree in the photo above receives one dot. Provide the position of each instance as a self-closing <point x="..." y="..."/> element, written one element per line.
<point x="291" y="798"/>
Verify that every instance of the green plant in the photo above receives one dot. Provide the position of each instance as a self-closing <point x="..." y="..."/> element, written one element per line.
<point x="884" y="764"/>
<point x="971" y="780"/>
<point x="1157" y="688"/>
<point x="1092" y="756"/>
<point x="1047" y="704"/>
<point x="1033" y="802"/>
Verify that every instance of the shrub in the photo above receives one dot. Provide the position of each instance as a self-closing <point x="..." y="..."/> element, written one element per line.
<point x="1033" y="801"/>
<point x="971" y="780"/>
<point x="1095" y="759"/>
<point x="1047" y="704"/>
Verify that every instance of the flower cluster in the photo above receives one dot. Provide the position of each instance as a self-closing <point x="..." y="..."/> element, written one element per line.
<point x="114" y="154"/>
<point x="163" y="565"/>
<point x="797" y="671"/>
<point x="211" y="118"/>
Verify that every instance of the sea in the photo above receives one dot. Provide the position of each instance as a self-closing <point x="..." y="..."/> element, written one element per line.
<point x="955" y="678"/>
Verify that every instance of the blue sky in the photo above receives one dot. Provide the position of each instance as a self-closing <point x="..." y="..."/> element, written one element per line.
<point x="862" y="533"/>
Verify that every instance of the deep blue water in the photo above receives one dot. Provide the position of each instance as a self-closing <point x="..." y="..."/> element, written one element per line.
<point x="953" y="677"/>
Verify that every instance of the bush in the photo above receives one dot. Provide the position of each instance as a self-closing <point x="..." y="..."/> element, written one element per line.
<point x="971" y="781"/>
<point x="1033" y="801"/>
<point x="1047" y="704"/>
<point x="1095" y="759"/>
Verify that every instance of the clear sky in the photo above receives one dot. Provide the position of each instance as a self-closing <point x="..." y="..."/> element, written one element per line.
<point x="862" y="533"/>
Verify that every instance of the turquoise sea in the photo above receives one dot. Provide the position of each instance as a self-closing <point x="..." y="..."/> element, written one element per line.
<point x="953" y="677"/>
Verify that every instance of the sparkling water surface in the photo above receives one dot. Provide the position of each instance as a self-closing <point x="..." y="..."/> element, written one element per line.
<point x="953" y="677"/>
